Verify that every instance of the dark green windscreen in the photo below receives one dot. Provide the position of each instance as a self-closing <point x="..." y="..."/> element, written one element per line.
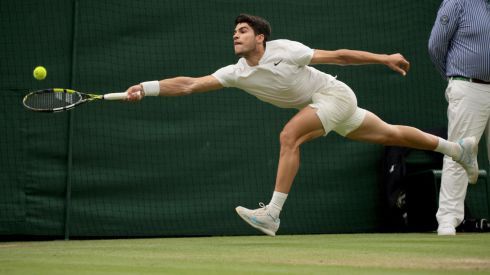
<point x="179" y="166"/>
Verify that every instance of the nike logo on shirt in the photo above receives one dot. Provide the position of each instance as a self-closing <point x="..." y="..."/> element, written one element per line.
<point x="277" y="63"/>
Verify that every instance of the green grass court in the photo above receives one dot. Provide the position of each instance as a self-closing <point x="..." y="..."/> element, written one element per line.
<point x="298" y="254"/>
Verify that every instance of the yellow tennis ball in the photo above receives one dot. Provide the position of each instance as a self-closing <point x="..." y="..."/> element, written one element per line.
<point x="40" y="73"/>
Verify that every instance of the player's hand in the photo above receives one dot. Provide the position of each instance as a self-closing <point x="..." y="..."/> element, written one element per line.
<point x="398" y="63"/>
<point x="135" y="93"/>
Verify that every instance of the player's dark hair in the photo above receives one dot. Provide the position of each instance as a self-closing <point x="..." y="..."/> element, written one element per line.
<point x="258" y="24"/>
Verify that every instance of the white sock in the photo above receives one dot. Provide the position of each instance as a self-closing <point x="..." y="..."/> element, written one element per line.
<point x="449" y="148"/>
<point x="276" y="203"/>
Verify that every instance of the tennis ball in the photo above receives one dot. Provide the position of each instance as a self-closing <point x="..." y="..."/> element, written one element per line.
<point x="40" y="73"/>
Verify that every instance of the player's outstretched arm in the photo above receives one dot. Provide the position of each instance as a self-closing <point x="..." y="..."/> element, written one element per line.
<point x="396" y="62"/>
<point x="177" y="86"/>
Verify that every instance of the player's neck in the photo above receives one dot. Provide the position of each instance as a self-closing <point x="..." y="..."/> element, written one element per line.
<point x="254" y="57"/>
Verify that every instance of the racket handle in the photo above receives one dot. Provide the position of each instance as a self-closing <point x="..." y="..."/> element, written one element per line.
<point x="116" y="96"/>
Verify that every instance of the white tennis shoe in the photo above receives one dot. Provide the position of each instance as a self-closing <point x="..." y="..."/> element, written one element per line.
<point x="468" y="157"/>
<point x="260" y="218"/>
<point x="446" y="230"/>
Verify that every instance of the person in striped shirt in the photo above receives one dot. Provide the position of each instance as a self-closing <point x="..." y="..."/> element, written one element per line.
<point x="459" y="47"/>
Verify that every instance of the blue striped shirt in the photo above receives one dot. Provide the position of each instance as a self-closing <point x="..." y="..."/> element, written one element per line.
<point x="459" y="44"/>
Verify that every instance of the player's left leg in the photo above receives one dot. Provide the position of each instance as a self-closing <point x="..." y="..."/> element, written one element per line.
<point x="375" y="130"/>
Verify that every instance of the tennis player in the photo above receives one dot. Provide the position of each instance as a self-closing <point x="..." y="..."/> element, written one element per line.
<point x="279" y="72"/>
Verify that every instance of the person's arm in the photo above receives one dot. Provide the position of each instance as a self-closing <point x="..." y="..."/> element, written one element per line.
<point x="177" y="86"/>
<point x="445" y="26"/>
<point x="396" y="62"/>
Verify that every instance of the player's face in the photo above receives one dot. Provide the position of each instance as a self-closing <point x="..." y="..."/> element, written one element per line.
<point x="244" y="39"/>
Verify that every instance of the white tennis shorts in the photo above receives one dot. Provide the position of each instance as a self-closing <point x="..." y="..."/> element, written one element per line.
<point x="337" y="108"/>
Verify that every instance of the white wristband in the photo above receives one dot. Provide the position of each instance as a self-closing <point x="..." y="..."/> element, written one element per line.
<point x="151" y="88"/>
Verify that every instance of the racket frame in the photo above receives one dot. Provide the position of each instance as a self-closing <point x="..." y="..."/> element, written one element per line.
<point x="84" y="98"/>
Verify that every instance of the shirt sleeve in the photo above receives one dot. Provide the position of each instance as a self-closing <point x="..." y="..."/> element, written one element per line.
<point x="225" y="75"/>
<point x="445" y="26"/>
<point x="300" y="54"/>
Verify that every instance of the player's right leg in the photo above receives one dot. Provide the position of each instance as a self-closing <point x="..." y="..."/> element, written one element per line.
<point x="302" y="128"/>
<point x="260" y="219"/>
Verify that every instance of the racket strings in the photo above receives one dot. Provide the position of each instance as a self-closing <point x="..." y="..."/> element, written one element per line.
<point x="51" y="100"/>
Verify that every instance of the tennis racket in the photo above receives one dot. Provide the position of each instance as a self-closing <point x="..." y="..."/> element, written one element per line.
<point x="59" y="99"/>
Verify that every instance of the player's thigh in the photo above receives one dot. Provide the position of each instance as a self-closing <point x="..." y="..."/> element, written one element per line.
<point x="372" y="129"/>
<point x="305" y="125"/>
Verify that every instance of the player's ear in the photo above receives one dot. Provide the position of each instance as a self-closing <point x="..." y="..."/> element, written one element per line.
<point x="260" y="38"/>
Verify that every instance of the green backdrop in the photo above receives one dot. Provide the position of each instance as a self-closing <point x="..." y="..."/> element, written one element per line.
<point x="179" y="166"/>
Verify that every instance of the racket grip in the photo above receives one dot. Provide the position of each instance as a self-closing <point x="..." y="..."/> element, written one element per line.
<point x="116" y="96"/>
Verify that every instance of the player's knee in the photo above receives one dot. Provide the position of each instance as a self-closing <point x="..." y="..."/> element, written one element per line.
<point x="287" y="139"/>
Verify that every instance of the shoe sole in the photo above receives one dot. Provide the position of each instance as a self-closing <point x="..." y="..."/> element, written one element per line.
<point x="447" y="233"/>
<point x="264" y="230"/>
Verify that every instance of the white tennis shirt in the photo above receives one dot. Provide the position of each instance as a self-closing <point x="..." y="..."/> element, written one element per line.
<point x="282" y="76"/>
